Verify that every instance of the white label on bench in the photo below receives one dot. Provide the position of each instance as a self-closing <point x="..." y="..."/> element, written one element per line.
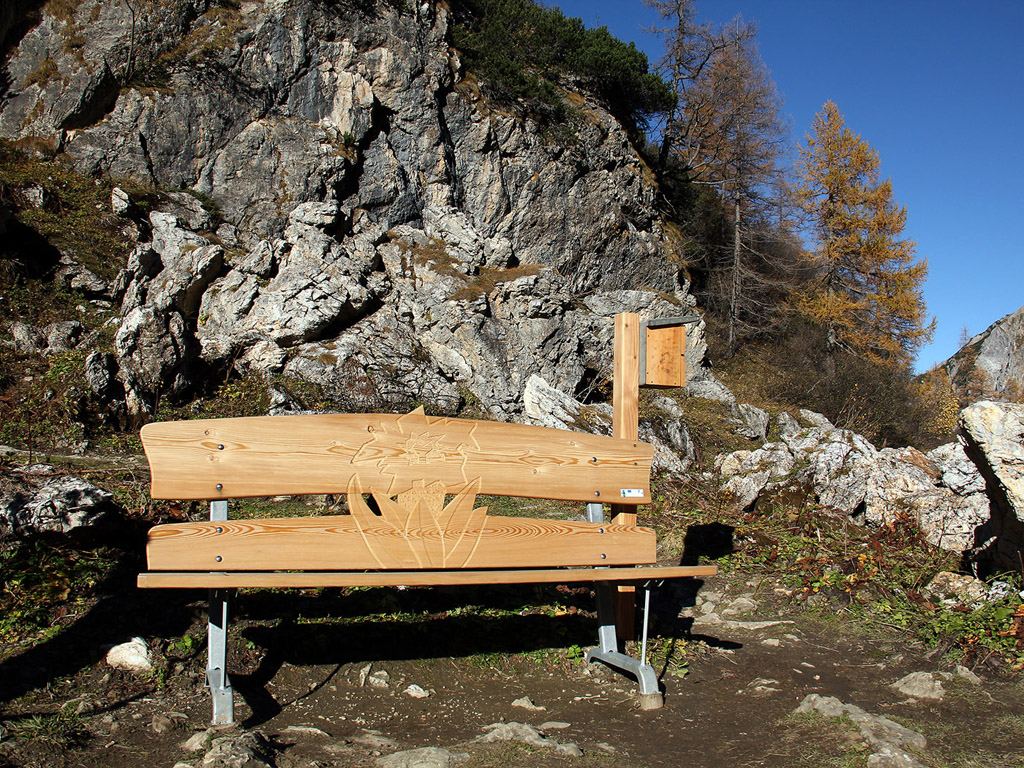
<point x="631" y="493"/>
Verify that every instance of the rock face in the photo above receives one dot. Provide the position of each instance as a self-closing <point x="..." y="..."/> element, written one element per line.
<point x="991" y="365"/>
<point x="994" y="435"/>
<point x="379" y="230"/>
<point x="942" y="491"/>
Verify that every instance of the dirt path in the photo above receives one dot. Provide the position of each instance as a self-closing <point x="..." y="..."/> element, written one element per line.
<point x="731" y="688"/>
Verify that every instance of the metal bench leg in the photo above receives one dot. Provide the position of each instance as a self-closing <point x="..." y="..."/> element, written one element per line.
<point x="216" y="663"/>
<point x="608" y="648"/>
<point x="217" y="641"/>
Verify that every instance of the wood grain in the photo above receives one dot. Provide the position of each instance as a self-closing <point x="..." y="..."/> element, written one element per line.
<point x="626" y="376"/>
<point x="313" y="579"/>
<point x="666" y="356"/>
<point x="343" y="542"/>
<point x="388" y="453"/>
<point x="626" y="425"/>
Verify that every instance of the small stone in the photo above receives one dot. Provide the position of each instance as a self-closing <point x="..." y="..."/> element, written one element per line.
<point x="85" y="706"/>
<point x="416" y="692"/>
<point x="740" y="605"/>
<point x="251" y="750"/>
<point x="374" y="740"/>
<point x="162" y="724"/>
<point x="554" y="725"/>
<point x="966" y="674"/>
<point x="527" y="734"/>
<point x="119" y="201"/>
<point x="304" y="730"/>
<point x="379" y="679"/>
<point x="525" y="703"/>
<point x="364" y="673"/>
<point x="35" y="196"/>
<point x="427" y="757"/>
<point x="762" y="685"/>
<point x="198" y="742"/>
<point x="890" y="756"/>
<point x="771" y="642"/>
<point x="920" y="685"/>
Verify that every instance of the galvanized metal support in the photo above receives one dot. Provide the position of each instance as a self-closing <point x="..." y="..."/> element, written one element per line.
<point x="217" y="642"/>
<point x="607" y="650"/>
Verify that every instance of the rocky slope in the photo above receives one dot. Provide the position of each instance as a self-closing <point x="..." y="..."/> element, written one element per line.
<point x="369" y="224"/>
<point x="991" y="365"/>
<point x="966" y="497"/>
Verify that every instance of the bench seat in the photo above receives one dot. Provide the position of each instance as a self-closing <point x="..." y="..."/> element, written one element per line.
<point x="313" y="579"/>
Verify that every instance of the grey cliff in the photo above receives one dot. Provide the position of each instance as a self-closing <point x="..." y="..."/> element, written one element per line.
<point x="369" y="223"/>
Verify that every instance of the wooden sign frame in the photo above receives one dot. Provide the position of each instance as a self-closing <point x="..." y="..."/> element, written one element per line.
<point x="647" y="353"/>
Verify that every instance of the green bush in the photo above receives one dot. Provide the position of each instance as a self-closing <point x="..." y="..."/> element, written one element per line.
<point x="522" y="52"/>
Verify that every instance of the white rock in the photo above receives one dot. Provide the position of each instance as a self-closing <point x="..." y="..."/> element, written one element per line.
<point x="132" y="656"/>
<point x="920" y="685"/>
<point x="427" y="757"/>
<point x="966" y="674"/>
<point x="815" y="419"/>
<point x="525" y="703"/>
<point x="528" y="735"/>
<point x="994" y="435"/>
<point x="119" y="201"/>
<point x="379" y="679"/>
<point x="416" y="692"/>
<point x="197" y="742"/>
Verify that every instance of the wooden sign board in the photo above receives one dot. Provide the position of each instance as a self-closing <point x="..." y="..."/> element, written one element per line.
<point x="663" y="353"/>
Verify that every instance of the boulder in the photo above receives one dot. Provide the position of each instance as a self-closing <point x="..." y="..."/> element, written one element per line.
<point x="62" y="336"/>
<point x="153" y="351"/>
<point x="73" y="275"/>
<point x="815" y="419"/>
<point x="959" y="473"/>
<point x="787" y="425"/>
<point x="845" y="472"/>
<point x="27" y="338"/>
<point x="100" y="373"/>
<point x="994" y="440"/>
<point x="40" y="500"/>
<point x="183" y="279"/>
<point x="133" y="656"/>
<point x="753" y="422"/>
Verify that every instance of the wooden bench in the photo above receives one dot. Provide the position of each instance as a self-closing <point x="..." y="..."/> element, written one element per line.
<point x="411" y="483"/>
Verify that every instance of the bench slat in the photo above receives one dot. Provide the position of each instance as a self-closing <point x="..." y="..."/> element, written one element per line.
<point x="387" y="453"/>
<point x="346" y="542"/>
<point x="313" y="579"/>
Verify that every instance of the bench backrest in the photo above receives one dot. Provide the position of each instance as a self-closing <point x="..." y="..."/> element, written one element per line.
<point x="389" y="455"/>
<point x="423" y="475"/>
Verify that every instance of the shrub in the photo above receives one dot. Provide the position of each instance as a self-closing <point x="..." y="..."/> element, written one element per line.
<point x="883" y="402"/>
<point x="523" y="51"/>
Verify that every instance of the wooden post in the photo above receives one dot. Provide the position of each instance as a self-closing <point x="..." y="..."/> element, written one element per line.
<point x="626" y="425"/>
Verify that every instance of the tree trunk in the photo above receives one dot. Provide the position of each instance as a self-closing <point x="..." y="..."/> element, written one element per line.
<point x="735" y="288"/>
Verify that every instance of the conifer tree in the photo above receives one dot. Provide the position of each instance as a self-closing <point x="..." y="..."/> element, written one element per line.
<point x="867" y="293"/>
<point x="735" y="112"/>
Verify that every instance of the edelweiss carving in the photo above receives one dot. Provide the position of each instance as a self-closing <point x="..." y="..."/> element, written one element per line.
<point x="437" y="535"/>
<point x="403" y="448"/>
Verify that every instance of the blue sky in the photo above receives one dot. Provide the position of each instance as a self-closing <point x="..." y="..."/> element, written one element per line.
<point x="936" y="87"/>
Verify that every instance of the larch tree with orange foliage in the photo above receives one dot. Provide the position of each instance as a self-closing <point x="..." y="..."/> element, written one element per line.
<point x="867" y="294"/>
